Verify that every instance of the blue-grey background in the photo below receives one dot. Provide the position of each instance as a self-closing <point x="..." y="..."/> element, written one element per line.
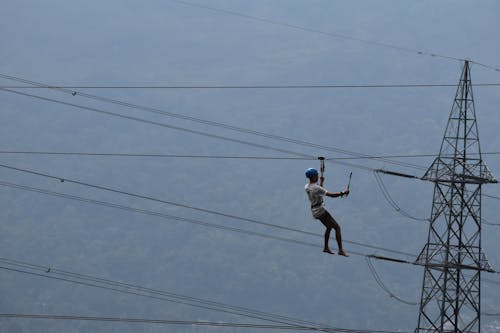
<point x="169" y="43"/>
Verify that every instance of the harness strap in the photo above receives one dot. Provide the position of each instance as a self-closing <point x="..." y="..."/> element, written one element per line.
<point x="317" y="205"/>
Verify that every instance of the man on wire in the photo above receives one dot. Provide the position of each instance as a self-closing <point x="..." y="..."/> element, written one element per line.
<point x="316" y="193"/>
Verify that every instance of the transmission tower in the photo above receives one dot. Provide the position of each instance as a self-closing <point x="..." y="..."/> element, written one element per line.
<point x="453" y="257"/>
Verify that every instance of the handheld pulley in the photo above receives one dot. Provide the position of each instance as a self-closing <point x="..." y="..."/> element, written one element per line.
<point x="322" y="165"/>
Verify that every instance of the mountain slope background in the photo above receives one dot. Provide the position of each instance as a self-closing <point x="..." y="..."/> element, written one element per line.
<point x="171" y="43"/>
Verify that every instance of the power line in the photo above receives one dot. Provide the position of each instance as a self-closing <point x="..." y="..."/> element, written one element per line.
<point x="185" y="323"/>
<point x="189" y="323"/>
<point x="327" y="34"/>
<point x="490" y="281"/>
<point x="385" y="192"/>
<point x="283" y="86"/>
<point x="380" y="183"/>
<point x="390" y="200"/>
<point x="396" y="207"/>
<point x="193" y="221"/>
<point x="168" y="216"/>
<point x="484" y="221"/>
<point x="116" y="286"/>
<point x="91" y="281"/>
<point x="156" y="321"/>
<point x="339" y="160"/>
<point x="136" y="290"/>
<point x="157" y="214"/>
<point x="381" y="284"/>
<point x="491" y="196"/>
<point x="150" y="122"/>
<point x="80" y="153"/>
<point x="198" y="222"/>
<point x="113" y="114"/>
<point x="183" y="117"/>
<point x="5" y="152"/>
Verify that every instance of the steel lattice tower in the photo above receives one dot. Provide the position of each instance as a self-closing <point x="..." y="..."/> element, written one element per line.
<point x="453" y="257"/>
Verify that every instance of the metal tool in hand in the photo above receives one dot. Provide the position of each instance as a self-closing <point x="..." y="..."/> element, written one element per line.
<point x="349" y="183"/>
<point x="322" y="165"/>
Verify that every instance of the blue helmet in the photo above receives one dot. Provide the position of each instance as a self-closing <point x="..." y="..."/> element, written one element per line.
<point x="311" y="172"/>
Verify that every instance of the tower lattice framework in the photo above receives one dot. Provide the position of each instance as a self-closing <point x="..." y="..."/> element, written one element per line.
<point x="453" y="257"/>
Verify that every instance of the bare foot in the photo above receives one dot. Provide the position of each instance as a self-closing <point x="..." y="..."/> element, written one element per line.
<point x="328" y="251"/>
<point x="343" y="253"/>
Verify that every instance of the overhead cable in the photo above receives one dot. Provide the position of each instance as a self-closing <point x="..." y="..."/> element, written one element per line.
<point x="125" y="288"/>
<point x="189" y="323"/>
<point x="130" y="154"/>
<point x="381" y="284"/>
<point x="186" y="323"/>
<point x="193" y="221"/>
<point x="150" y="122"/>
<point x="396" y="207"/>
<point x="220" y="137"/>
<point x="487" y="222"/>
<point x="183" y="117"/>
<point x="304" y="157"/>
<point x="66" y="153"/>
<point x="157" y="321"/>
<point x="328" y="34"/>
<point x="391" y="201"/>
<point x="283" y="86"/>
<point x="491" y="196"/>
<point x="385" y="192"/>
<point x="158" y="214"/>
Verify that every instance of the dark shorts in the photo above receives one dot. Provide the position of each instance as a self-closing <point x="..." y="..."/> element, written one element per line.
<point x="327" y="220"/>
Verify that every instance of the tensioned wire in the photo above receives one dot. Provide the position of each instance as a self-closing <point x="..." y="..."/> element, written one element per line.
<point x="382" y="187"/>
<point x="178" y="204"/>
<point x="87" y="280"/>
<point x="57" y="177"/>
<point x="182" y="219"/>
<point x="195" y="119"/>
<point x="380" y="183"/>
<point x="387" y="196"/>
<point x="183" y="117"/>
<point x="282" y="86"/>
<point x="328" y="34"/>
<point x="168" y="216"/>
<point x="171" y="217"/>
<point x="155" y="321"/>
<point x="186" y="323"/>
<point x="215" y="136"/>
<point x="130" y="154"/>
<point x="92" y="109"/>
<point x="254" y="157"/>
<point x="90" y="281"/>
<point x="137" y="290"/>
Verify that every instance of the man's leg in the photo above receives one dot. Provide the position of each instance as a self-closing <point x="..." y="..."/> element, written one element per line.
<point x="338" y="237"/>
<point x="330" y="223"/>
<point x="326" y="248"/>
<point x="327" y="221"/>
